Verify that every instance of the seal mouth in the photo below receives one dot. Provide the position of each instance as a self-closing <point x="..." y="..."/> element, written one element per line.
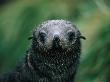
<point x="57" y="51"/>
<point x="56" y="46"/>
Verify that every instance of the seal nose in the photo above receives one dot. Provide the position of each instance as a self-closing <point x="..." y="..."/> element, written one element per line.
<point x="56" y="40"/>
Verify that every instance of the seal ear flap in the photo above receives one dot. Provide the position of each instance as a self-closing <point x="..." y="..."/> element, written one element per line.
<point x="30" y="38"/>
<point x="82" y="37"/>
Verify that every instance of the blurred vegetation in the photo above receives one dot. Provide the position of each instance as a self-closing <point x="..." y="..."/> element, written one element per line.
<point x="18" y="17"/>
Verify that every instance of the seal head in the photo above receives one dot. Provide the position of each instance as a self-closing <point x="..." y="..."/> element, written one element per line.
<point x="55" y="36"/>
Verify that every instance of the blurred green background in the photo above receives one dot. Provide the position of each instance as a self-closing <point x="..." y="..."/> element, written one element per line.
<point x="92" y="17"/>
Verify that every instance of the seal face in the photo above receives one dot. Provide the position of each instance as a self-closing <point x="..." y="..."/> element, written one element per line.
<point x="55" y="36"/>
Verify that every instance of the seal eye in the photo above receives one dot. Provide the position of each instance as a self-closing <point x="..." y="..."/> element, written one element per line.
<point x="71" y="35"/>
<point x="42" y="36"/>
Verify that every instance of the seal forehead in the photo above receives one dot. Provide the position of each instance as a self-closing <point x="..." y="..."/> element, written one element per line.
<point x="57" y="24"/>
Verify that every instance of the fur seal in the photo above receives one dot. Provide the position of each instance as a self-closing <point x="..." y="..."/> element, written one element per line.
<point x="53" y="55"/>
